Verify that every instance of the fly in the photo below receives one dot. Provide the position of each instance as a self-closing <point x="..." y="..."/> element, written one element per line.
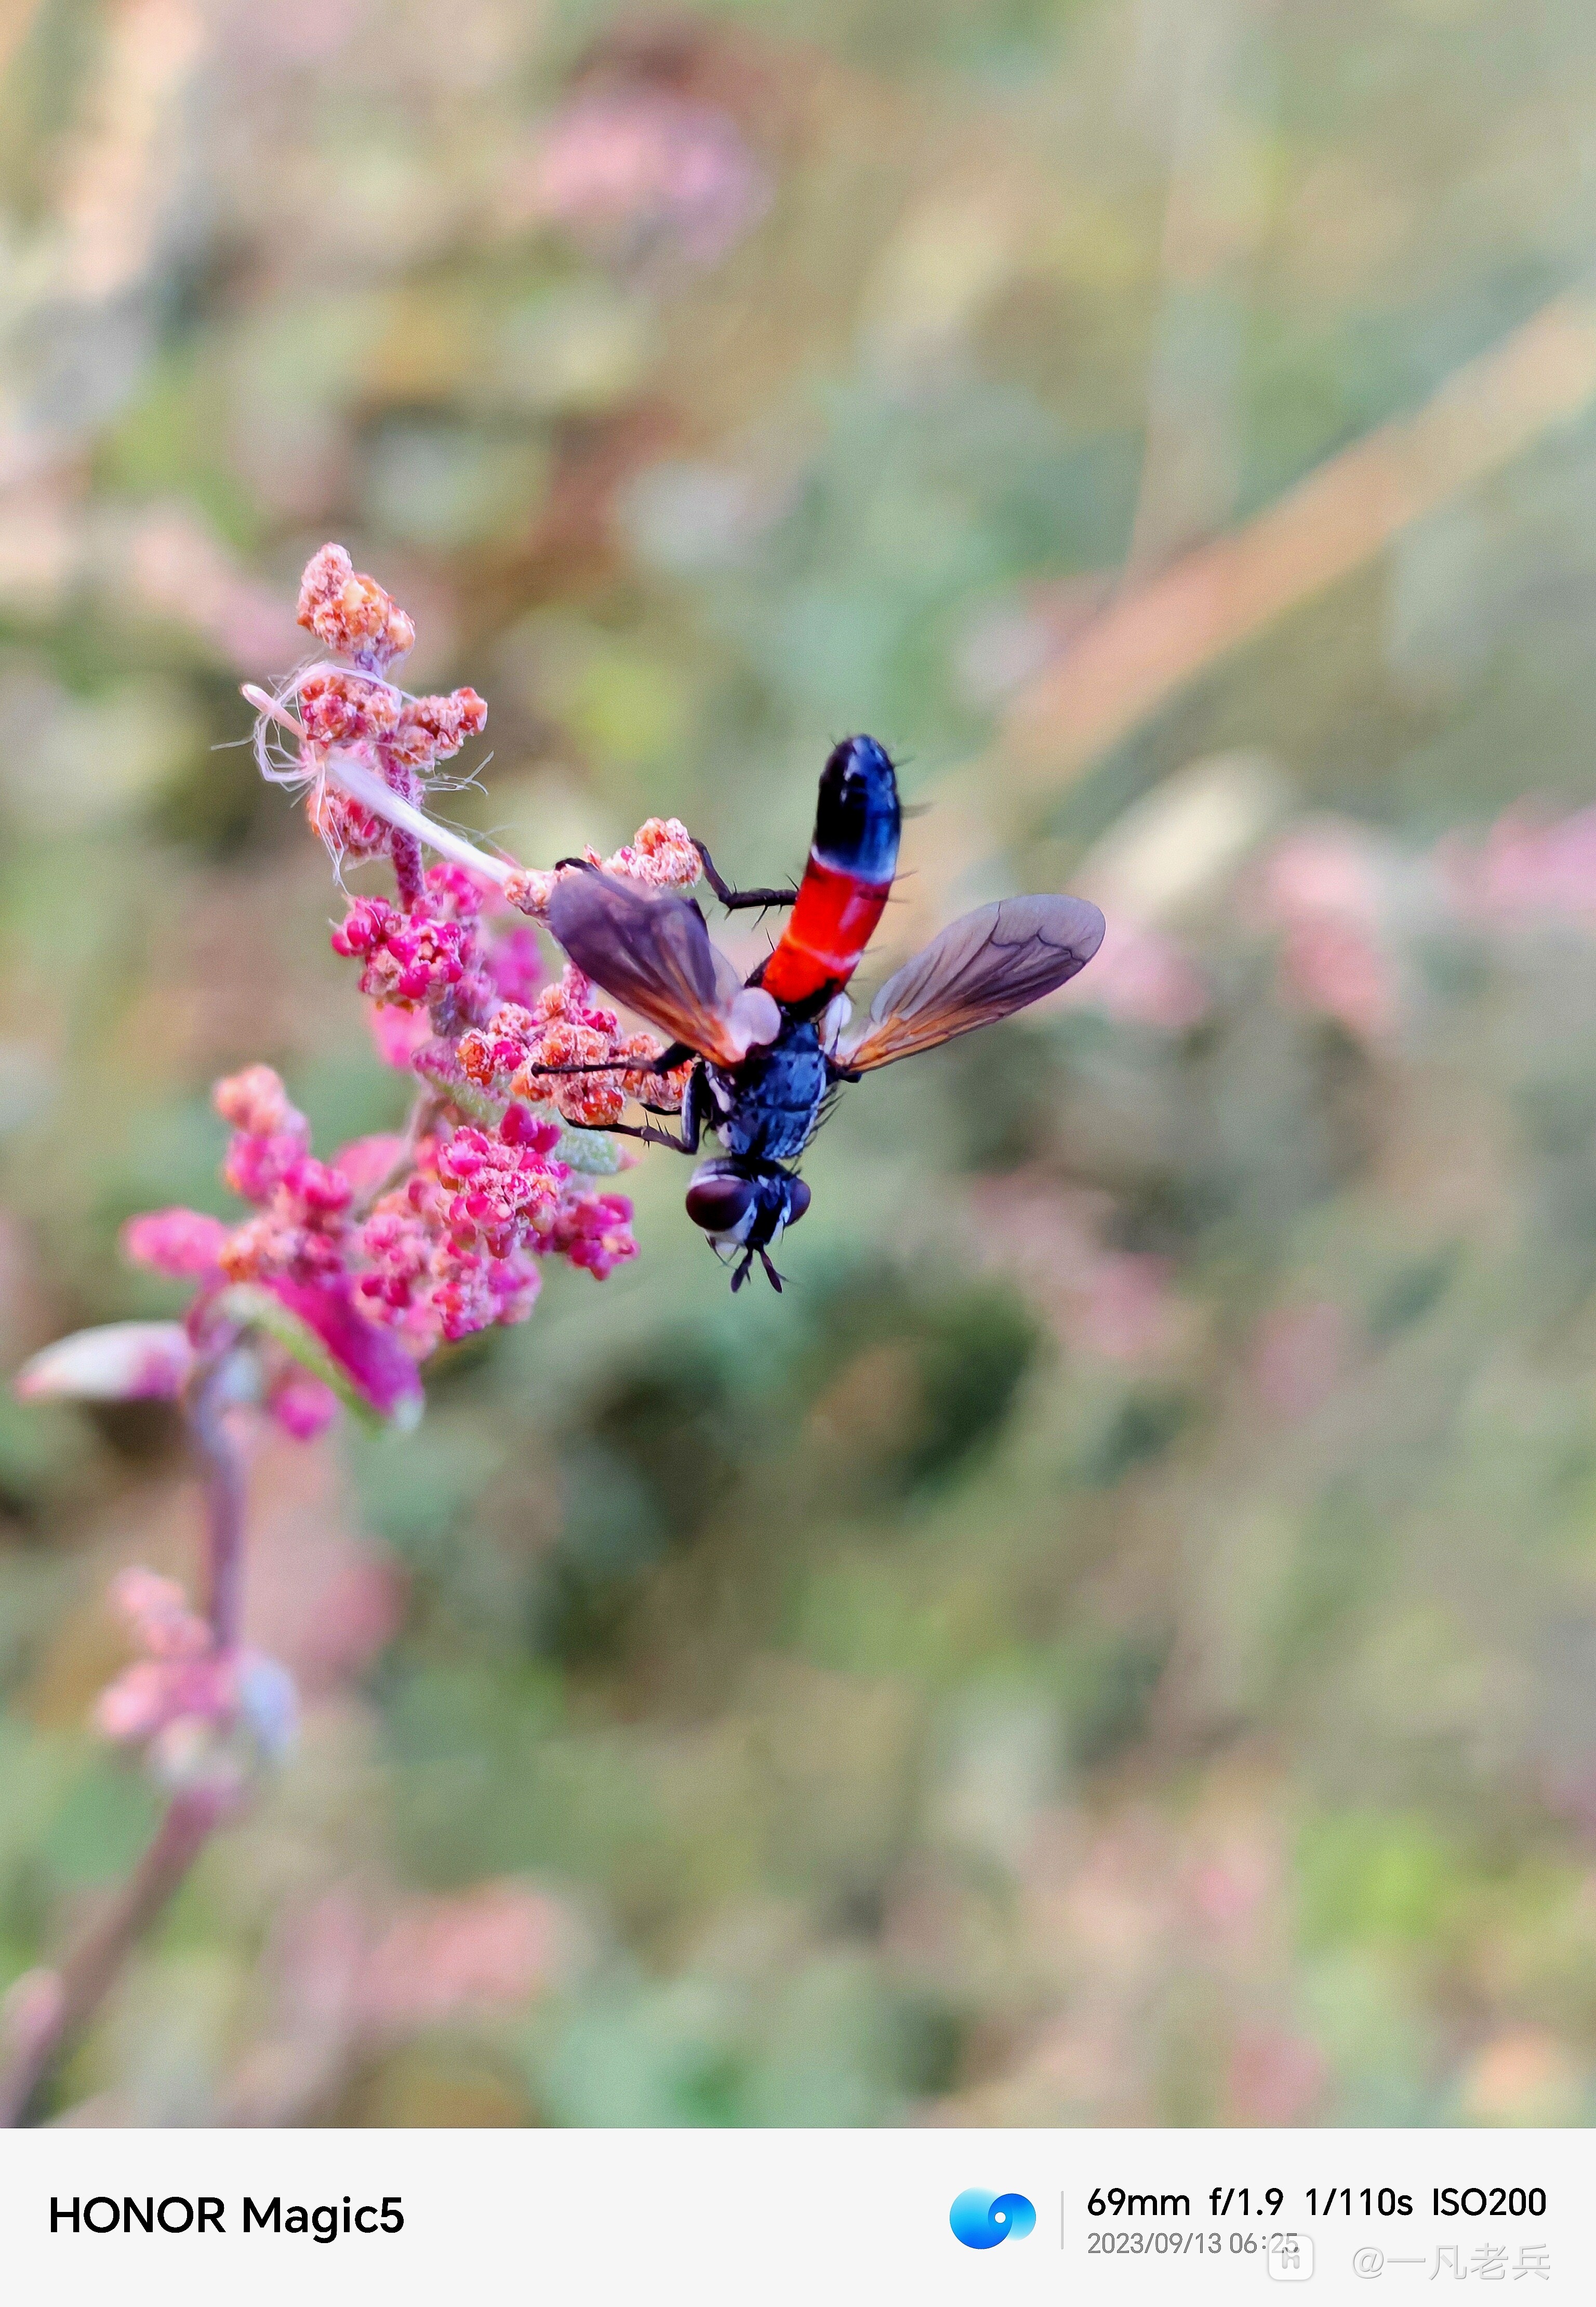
<point x="773" y="1050"/>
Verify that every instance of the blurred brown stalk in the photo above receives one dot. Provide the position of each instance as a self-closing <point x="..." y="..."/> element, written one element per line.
<point x="1154" y="638"/>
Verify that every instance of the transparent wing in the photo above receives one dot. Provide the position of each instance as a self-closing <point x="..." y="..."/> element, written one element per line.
<point x="653" y="953"/>
<point x="984" y="968"/>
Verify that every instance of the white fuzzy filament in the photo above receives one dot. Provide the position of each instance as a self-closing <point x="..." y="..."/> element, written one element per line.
<point x="365" y="786"/>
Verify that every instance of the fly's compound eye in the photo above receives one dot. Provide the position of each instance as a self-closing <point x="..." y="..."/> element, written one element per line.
<point x="798" y="1199"/>
<point x="720" y="1203"/>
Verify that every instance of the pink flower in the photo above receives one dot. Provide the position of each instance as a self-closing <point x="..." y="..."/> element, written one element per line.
<point x="1274" y="2079"/>
<point x="119" y="1361"/>
<point x="185" y="1693"/>
<point x="521" y="1053"/>
<point x="594" y="1231"/>
<point x="451" y="1251"/>
<point x="301" y="1405"/>
<point x="350" y="613"/>
<point x="1122" y="1308"/>
<point x="373" y="1363"/>
<point x="180" y="1242"/>
<point x="449" y="1248"/>
<point x="400" y="1034"/>
<point x="1528" y="867"/>
<point x="635" y="170"/>
<point x="1298" y="1356"/>
<point x="1322" y="889"/>
<point x="270" y="1134"/>
<point x="358" y="720"/>
<point x="368" y="1162"/>
<point x="343" y="1276"/>
<point x="147" y="1696"/>
<point x="661" y="854"/>
<point x="408" y="956"/>
<point x="484" y="1950"/>
<point x="1143" y="976"/>
<point x="256" y="1104"/>
<point x="158" y="1613"/>
<point x="515" y="964"/>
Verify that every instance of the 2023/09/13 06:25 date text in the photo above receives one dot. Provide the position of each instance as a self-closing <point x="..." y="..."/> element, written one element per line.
<point x="1184" y="2243"/>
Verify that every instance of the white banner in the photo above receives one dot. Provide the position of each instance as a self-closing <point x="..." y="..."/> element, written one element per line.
<point x="1389" y="2219"/>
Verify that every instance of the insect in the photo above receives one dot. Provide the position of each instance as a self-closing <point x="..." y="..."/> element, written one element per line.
<point x="772" y="1053"/>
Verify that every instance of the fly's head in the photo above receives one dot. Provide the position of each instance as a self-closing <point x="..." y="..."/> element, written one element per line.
<point x="745" y="1206"/>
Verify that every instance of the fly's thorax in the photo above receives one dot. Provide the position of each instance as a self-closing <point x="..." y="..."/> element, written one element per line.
<point x="788" y="1066"/>
<point x="768" y="1106"/>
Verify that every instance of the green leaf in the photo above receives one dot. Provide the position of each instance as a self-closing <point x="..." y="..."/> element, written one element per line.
<point x="253" y="1308"/>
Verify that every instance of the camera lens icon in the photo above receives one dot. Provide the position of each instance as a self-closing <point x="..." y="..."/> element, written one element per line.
<point x="979" y="2219"/>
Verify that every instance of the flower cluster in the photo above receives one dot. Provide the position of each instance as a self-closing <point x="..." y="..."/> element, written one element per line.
<point x="1322" y="888"/>
<point x="346" y="1273"/>
<point x="361" y="716"/>
<point x="361" y="1265"/>
<point x="661" y="854"/>
<point x="427" y="956"/>
<point x="196" y="1708"/>
<point x="634" y="172"/>
<point x="527" y="1051"/>
<point x="397" y="1246"/>
<point x="1531" y="868"/>
<point x="454" y="1249"/>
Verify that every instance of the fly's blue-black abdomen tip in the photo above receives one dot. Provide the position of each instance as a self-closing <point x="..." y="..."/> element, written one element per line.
<point x="858" y="819"/>
<point x="861" y="751"/>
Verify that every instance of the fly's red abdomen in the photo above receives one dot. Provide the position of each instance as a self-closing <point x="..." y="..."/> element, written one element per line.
<point x="830" y="925"/>
<point x="848" y="878"/>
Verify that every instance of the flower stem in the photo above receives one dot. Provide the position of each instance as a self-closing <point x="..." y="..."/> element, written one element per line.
<point x="224" y="1502"/>
<point x="409" y="873"/>
<point x="46" y="2009"/>
<point x="49" y="2007"/>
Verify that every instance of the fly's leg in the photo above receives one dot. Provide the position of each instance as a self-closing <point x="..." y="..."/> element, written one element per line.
<point x="746" y="1267"/>
<point x="695" y="1109"/>
<point x="692" y="1109"/>
<point x="647" y="1133"/>
<point x="736" y="901"/>
<point x="667" y="1062"/>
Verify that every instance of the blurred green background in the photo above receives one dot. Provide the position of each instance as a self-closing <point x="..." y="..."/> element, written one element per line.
<point x="1116" y="1642"/>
